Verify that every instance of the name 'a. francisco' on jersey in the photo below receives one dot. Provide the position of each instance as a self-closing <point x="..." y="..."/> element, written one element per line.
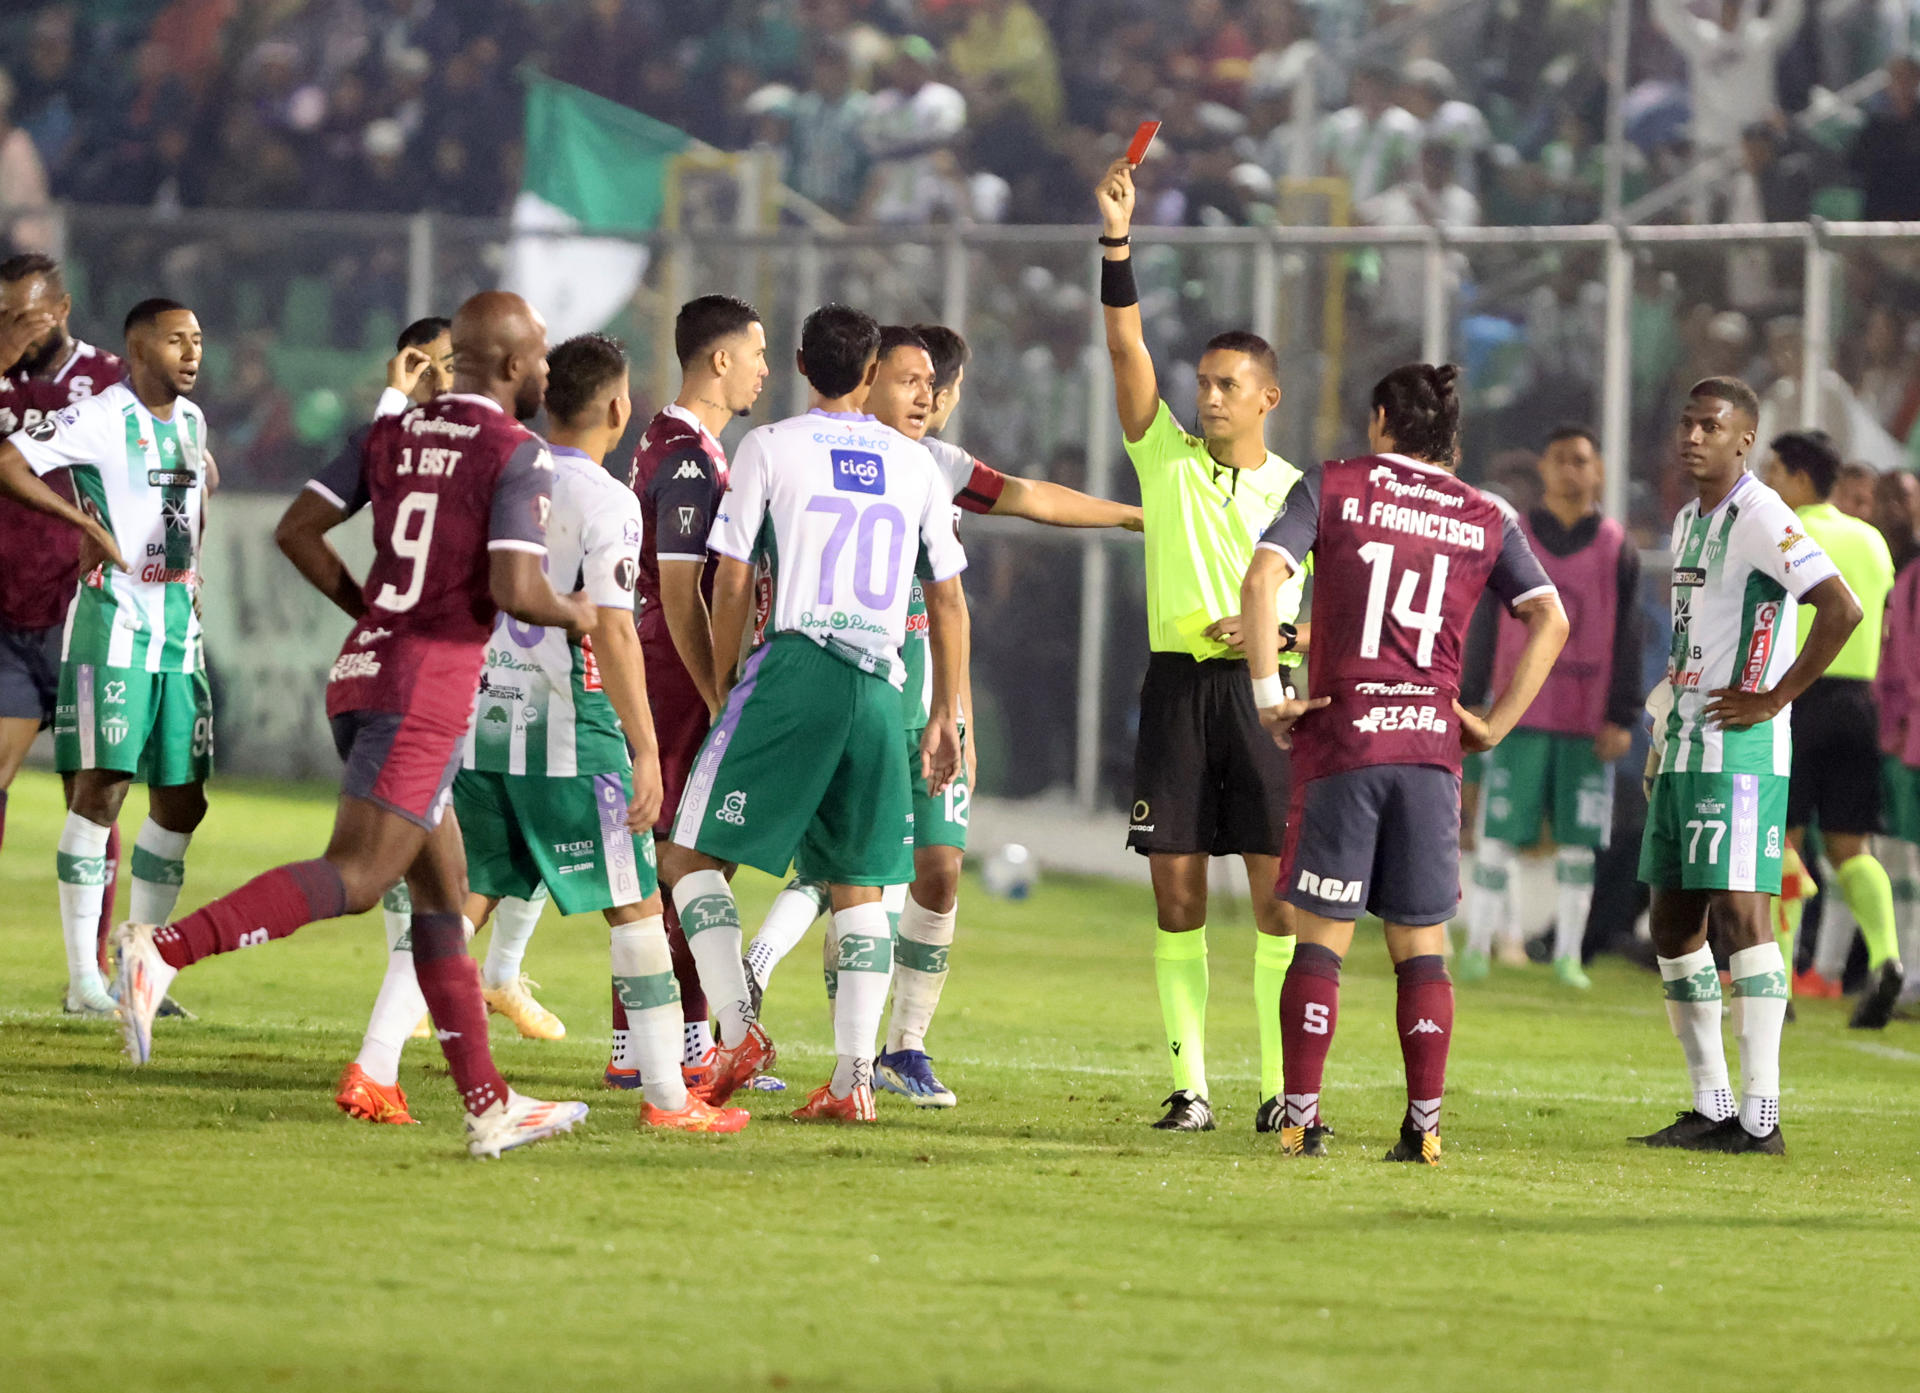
<point x="1402" y="551"/>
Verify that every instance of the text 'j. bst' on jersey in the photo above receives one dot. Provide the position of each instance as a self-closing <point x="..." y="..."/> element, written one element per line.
<point x="1402" y="551"/>
<point x="450" y="483"/>
<point x="1202" y="520"/>
<point x="541" y="708"/>
<point x="840" y="506"/>
<point x="145" y="479"/>
<point x="1739" y="570"/>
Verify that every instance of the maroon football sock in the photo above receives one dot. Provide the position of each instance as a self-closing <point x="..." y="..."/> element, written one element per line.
<point x="1424" y="1017"/>
<point x="450" y="981"/>
<point x="619" y="1007"/>
<point x="693" y="1001"/>
<point x="1309" y="1007"/>
<point x="267" y="907"/>
<point x="107" y="898"/>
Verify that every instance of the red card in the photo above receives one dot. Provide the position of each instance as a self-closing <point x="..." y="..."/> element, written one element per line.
<point x="1142" y="141"/>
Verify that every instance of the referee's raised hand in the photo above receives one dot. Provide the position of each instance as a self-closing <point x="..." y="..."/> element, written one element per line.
<point x="1114" y="193"/>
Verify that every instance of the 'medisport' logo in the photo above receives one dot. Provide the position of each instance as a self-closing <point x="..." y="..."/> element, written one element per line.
<point x="1760" y="646"/>
<point x="858" y="471"/>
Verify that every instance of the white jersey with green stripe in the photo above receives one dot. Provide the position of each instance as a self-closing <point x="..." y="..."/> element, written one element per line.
<point x="1738" y="572"/>
<point x="145" y="478"/>
<point x="541" y="708"/>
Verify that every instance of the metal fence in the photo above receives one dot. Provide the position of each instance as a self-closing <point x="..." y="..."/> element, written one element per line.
<point x="1597" y="324"/>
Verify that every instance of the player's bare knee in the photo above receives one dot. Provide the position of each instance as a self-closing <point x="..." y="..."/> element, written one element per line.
<point x="936" y="878"/>
<point x="180" y="807"/>
<point x="98" y="794"/>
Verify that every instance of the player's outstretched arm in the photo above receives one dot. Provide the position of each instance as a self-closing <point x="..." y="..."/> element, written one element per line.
<point x="732" y="613"/>
<point x="1546" y="634"/>
<point x="940" y="753"/>
<point x="1057" y="506"/>
<point x="1836" y="613"/>
<point x="1135" y="391"/>
<point x="520" y="587"/>
<point x="301" y="536"/>
<point x="623" y="676"/>
<point x="20" y="483"/>
<point x="690" y="624"/>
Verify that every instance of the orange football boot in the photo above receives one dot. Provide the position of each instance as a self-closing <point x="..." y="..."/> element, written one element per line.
<point x="822" y="1106"/>
<point x="697" y="1116"/>
<point x="733" y="1069"/>
<point x="361" y="1097"/>
<point x="1812" y="985"/>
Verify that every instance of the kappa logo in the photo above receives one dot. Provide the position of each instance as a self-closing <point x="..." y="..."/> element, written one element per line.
<point x="252" y="938"/>
<point x="1423" y="1026"/>
<point x="114" y="693"/>
<point x="1331" y="890"/>
<point x="733" y="808"/>
<point x="689" y="470"/>
<point x="445" y="1035"/>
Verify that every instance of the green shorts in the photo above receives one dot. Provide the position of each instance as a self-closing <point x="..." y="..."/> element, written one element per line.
<point x="804" y="760"/>
<point x="939" y="819"/>
<point x="568" y="833"/>
<point x="1901" y="789"/>
<point x="156" y="726"/>
<point x="1715" y="832"/>
<point x="1536" y="775"/>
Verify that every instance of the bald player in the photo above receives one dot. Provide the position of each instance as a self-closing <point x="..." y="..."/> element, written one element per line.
<point x="460" y="492"/>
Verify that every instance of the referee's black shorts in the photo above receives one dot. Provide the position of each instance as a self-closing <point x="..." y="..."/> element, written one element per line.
<point x="1836" y="758"/>
<point x="1206" y="776"/>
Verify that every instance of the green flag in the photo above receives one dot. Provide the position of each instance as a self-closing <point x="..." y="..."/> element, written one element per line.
<point x="592" y="166"/>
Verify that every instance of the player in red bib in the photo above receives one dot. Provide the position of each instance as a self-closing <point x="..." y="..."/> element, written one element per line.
<point x="459" y="492"/>
<point x="680" y="472"/>
<point x="1402" y="551"/>
<point x="42" y="369"/>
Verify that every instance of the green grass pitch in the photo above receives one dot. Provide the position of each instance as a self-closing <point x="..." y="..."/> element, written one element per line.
<point x="214" y="1223"/>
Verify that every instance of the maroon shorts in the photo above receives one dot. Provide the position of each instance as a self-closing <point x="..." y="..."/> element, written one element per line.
<point x="1384" y="837"/>
<point x="404" y="762"/>
<point x="679" y="723"/>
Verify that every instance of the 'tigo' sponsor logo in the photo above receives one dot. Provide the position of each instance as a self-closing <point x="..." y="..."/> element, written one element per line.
<point x="856" y="471"/>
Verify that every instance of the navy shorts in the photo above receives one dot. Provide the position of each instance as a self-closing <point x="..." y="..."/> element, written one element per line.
<point x="404" y="763"/>
<point x="29" y="672"/>
<point x="1384" y="838"/>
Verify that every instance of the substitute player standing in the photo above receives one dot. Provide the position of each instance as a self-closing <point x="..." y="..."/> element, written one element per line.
<point x="1836" y="781"/>
<point x="47" y="368"/>
<point x="805" y="749"/>
<point x="1557" y="768"/>
<point x="1723" y="744"/>
<point x="1207" y="781"/>
<point x="679" y="473"/>
<point x="1402" y="551"/>
<point x="459" y="490"/>
<point x="133" y="699"/>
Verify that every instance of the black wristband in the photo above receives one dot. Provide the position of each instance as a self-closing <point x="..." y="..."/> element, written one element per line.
<point x="1116" y="284"/>
<point x="1124" y="239"/>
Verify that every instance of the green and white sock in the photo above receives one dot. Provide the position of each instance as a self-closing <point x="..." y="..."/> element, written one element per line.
<point x="919" y="973"/>
<point x="1180" y="972"/>
<point x="865" y="936"/>
<point x="643" y="975"/>
<point x="1869" y="894"/>
<point x="1759" y="1014"/>
<point x="1573" y="900"/>
<point x="159" y="869"/>
<point x="398" y="1007"/>
<point x="1692" y="987"/>
<point x="1272" y="956"/>
<point x="80" y="866"/>
<point x="1490" y="896"/>
<point x="711" y="921"/>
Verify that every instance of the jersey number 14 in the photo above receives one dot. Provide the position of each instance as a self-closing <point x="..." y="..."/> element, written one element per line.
<point x="1426" y="622"/>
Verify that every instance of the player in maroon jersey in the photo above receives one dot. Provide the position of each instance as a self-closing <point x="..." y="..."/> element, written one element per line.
<point x="45" y="368"/>
<point x="1402" y="551"/>
<point x="680" y="471"/>
<point x="459" y="491"/>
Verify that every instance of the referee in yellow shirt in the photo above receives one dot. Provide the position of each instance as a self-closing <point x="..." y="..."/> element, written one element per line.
<point x="1836" y="728"/>
<point x="1208" y="780"/>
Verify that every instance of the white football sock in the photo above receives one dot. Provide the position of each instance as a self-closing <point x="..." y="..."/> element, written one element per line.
<point x="1837" y="926"/>
<point x="1573" y="900"/>
<point x="1490" y="896"/>
<point x="711" y="921"/>
<point x="865" y="941"/>
<point x="643" y="971"/>
<point x="81" y="867"/>
<point x="919" y="973"/>
<point x="696" y="1039"/>
<point x="789" y="917"/>
<point x="159" y="868"/>
<point x="1759" y="1014"/>
<point x="514" y="921"/>
<point x="398" y="1007"/>
<point x="1692" y="987"/>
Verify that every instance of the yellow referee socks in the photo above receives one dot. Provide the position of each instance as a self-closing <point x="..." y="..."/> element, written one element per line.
<point x="1272" y="956"/>
<point x="1180" y="971"/>
<point x="1869" y="894"/>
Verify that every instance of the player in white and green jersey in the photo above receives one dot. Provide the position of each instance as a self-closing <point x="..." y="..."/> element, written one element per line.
<point x="1716" y="811"/>
<point x="133" y="699"/>
<point x="916" y="389"/>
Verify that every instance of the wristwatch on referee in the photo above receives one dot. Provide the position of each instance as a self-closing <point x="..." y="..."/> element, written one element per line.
<point x="1289" y="638"/>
